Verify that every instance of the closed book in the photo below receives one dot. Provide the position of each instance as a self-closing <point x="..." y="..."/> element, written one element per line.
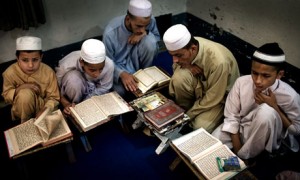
<point x="164" y="114"/>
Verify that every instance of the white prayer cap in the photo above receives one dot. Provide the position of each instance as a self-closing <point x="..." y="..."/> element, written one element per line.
<point x="28" y="43"/>
<point x="176" y="37"/>
<point x="93" y="51"/>
<point x="140" y="8"/>
<point x="269" y="53"/>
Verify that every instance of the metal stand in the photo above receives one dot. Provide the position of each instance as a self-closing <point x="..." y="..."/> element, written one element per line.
<point x="165" y="135"/>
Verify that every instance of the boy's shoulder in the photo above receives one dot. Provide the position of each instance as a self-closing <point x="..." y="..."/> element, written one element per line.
<point x="46" y="68"/>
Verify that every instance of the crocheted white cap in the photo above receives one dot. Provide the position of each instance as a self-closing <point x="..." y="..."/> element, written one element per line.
<point x="270" y="52"/>
<point x="176" y="37"/>
<point x="28" y="43"/>
<point x="140" y="8"/>
<point x="93" y="51"/>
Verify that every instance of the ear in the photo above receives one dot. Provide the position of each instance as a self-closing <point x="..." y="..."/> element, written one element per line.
<point x="81" y="62"/>
<point x="127" y="19"/>
<point x="280" y="74"/>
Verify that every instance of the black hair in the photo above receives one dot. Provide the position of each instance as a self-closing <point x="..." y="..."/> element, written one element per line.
<point x="27" y="51"/>
<point x="192" y="41"/>
<point x="271" y="49"/>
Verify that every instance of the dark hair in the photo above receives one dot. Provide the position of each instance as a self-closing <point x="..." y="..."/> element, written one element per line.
<point x="27" y="51"/>
<point x="278" y="66"/>
<point x="192" y="41"/>
<point x="131" y="16"/>
<point x="271" y="49"/>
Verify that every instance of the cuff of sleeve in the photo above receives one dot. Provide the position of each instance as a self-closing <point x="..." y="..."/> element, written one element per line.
<point x="117" y="75"/>
<point x="10" y="96"/>
<point x="230" y="128"/>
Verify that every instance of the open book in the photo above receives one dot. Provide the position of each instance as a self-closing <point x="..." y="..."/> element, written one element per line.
<point x="202" y="149"/>
<point x="48" y="128"/>
<point x="99" y="109"/>
<point x="150" y="78"/>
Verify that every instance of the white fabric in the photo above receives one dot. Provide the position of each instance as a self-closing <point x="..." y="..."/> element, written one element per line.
<point x="127" y="57"/>
<point x="260" y="126"/>
<point x="71" y="84"/>
<point x="176" y="37"/>
<point x="269" y="58"/>
<point x="140" y="8"/>
<point x="93" y="51"/>
<point x="28" y="43"/>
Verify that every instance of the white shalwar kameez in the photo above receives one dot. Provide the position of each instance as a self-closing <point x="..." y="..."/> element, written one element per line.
<point x="260" y="126"/>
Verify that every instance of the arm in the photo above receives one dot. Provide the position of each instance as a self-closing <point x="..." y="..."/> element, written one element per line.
<point x="9" y="86"/>
<point x="121" y="63"/>
<point x="12" y="84"/>
<point x="52" y="95"/>
<point x="105" y="82"/>
<point x="66" y="104"/>
<point x="195" y="70"/>
<point x="232" y="117"/>
<point x="110" y="52"/>
<point x="270" y="99"/>
<point x="236" y="142"/>
<point x="129" y="82"/>
<point x="151" y="30"/>
<point x="214" y="94"/>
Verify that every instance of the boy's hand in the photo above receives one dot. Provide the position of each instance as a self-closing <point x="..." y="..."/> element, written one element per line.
<point x="33" y="86"/>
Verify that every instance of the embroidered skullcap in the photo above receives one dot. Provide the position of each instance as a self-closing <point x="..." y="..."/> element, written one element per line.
<point x="140" y="8"/>
<point x="28" y="43"/>
<point x="176" y="37"/>
<point x="270" y="53"/>
<point x="93" y="51"/>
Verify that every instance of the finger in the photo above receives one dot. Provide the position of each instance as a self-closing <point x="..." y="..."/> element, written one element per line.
<point x="270" y="91"/>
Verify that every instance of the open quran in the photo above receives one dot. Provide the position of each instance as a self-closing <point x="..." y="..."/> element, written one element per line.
<point x="99" y="109"/>
<point x="151" y="78"/>
<point x="48" y="128"/>
<point x="202" y="150"/>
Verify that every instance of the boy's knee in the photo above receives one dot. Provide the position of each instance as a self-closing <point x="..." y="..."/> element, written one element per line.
<point x="149" y="43"/>
<point x="265" y="115"/>
<point x="25" y="95"/>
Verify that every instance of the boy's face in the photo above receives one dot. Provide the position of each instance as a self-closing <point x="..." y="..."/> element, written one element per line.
<point x="184" y="57"/>
<point x="137" y="25"/>
<point x="29" y="62"/>
<point x="264" y="75"/>
<point x="92" y="70"/>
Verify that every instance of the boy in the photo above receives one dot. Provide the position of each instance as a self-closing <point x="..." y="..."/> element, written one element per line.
<point x="261" y="111"/>
<point x="131" y="41"/>
<point x="29" y="85"/>
<point x="204" y="72"/>
<point x="85" y="73"/>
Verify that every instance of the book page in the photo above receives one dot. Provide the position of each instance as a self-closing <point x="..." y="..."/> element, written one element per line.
<point x="196" y="143"/>
<point x="158" y="75"/>
<point x="22" y="137"/>
<point x="112" y="104"/>
<point x="208" y="165"/>
<point x="60" y="127"/>
<point x="53" y="120"/>
<point x="41" y="124"/>
<point x="146" y="82"/>
<point x="87" y="113"/>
